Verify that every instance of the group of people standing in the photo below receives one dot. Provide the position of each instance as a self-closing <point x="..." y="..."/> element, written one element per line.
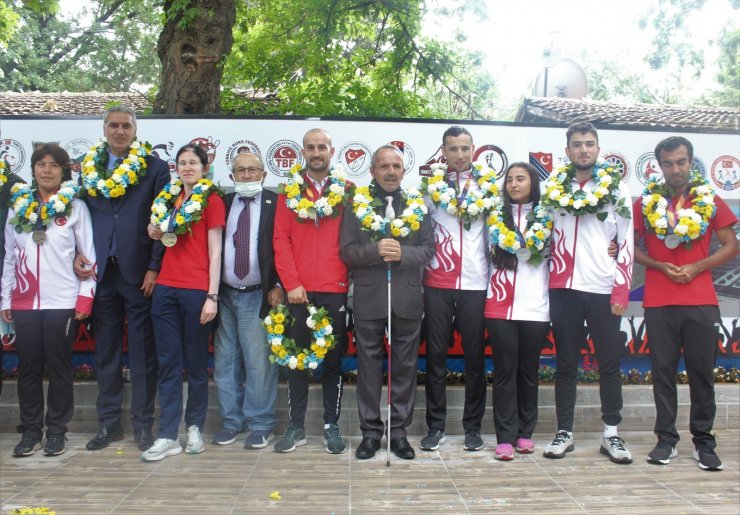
<point x="499" y="256"/>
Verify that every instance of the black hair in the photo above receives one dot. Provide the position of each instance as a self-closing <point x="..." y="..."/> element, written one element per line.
<point x="195" y="149"/>
<point x="581" y="128"/>
<point x="673" y="143"/>
<point x="57" y="153"/>
<point x="454" y="132"/>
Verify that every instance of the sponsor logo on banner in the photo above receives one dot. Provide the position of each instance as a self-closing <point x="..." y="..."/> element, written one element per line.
<point x="494" y="157"/>
<point x="355" y="157"/>
<point x="646" y="167"/>
<point x="426" y="169"/>
<point x="240" y="147"/>
<point x="408" y="154"/>
<point x="164" y="152"/>
<point x="726" y="172"/>
<point x="77" y="148"/>
<point x="542" y="162"/>
<point x="619" y="162"/>
<point x="282" y="155"/>
<point x="13" y="154"/>
<point x="698" y="166"/>
<point x="209" y="146"/>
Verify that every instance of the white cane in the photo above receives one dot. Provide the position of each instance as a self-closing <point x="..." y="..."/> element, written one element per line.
<point x="389" y="215"/>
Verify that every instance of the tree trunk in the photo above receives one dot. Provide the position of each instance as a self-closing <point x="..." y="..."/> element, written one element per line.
<point x="192" y="58"/>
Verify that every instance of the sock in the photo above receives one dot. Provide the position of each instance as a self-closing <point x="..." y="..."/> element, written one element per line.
<point x="610" y="431"/>
<point x="326" y="426"/>
<point x="570" y="433"/>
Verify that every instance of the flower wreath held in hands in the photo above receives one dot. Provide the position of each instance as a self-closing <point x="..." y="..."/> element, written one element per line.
<point x="96" y="178"/>
<point x="690" y="222"/>
<point x="295" y="191"/>
<point x="364" y="202"/>
<point x="284" y="349"/>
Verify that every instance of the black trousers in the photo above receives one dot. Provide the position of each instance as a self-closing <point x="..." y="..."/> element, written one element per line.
<point x="693" y="330"/>
<point x="331" y="380"/>
<point x="441" y="306"/>
<point x="404" y="358"/>
<point x="115" y="297"/>
<point x="568" y="310"/>
<point x="44" y="340"/>
<point x="516" y="346"/>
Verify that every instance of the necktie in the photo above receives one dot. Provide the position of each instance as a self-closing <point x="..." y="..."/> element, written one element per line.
<point x="241" y="241"/>
<point x="390" y="214"/>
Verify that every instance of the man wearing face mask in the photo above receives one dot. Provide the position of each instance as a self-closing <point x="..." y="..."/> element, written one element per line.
<point x="246" y="381"/>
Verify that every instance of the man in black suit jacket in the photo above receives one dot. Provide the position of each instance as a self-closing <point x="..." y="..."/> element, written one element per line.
<point x="128" y="265"/>
<point x="369" y="260"/>
<point x="246" y="381"/>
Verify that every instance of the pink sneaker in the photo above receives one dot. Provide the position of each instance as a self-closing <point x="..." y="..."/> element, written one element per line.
<point x="504" y="452"/>
<point x="524" y="445"/>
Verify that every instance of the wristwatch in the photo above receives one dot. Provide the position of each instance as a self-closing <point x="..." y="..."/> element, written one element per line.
<point x="213" y="296"/>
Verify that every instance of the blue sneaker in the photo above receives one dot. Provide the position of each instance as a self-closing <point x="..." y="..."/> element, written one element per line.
<point x="258" y="439"/>
<point x="225" y="437"/>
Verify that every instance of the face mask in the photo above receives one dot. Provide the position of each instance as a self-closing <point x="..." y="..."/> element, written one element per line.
<point x="248" y="189"/>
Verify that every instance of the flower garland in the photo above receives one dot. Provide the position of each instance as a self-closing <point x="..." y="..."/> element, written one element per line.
<point x="26" y="207"/>
<point x="96" y="178"/>
<point x="188" y="213"/>
<point x="284" y="350"/>
<point x="691" y="222"/>
<point x="536" y="235"/>
<point x="446" y="196"/>
<point x="410" y="220"/>
<point x="295" y="191"/>
<point x="559" y="191"/>
<point x="3" y="173"/>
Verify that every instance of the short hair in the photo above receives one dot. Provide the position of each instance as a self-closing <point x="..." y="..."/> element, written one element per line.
<point x="387" y="146"/>
<point x="119" y="109"/>
<point x="316" y="129"/>
<point x="672" y="143"/>
<point x="57" y="153"/>
<point x="581" y="128"/>
<point x="454" y="132"/>
<point x="259" y="158"/>
<point x="195" y="149"/>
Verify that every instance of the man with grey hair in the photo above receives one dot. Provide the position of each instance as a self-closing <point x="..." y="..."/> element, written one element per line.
<point x="128" y="263"/>
<point x="375" y="248"/>
<point x="246" y="381"/>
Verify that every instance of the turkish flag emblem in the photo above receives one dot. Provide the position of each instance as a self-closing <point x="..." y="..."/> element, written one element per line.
<point x="285" y="153"/>
<point x="544" y="158"/>
<point x="355" y="158"/>
<point x="61" y="221"/>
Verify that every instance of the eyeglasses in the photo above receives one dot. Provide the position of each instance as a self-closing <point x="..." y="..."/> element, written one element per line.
<point x="248" y="171"/>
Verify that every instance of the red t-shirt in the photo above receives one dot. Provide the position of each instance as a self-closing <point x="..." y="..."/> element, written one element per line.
<point x="659" y="289"/>
<point x="186" y="264"/>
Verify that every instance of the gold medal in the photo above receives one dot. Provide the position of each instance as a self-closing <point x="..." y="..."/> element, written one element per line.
<point x="169" y="239"/>
<point x="39" y="236"/>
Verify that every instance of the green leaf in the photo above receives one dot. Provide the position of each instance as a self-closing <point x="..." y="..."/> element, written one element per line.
<point x="602" y="216"/>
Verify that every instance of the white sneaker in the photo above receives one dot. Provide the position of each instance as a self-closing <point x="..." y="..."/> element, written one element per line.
<point x="615" y="449"/>
<point x="195" y="443"/>
<point x="160" y="449"/>
<point x="562" y="443"/>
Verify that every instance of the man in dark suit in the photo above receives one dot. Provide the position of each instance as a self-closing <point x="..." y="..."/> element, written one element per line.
<point x="368" y="254"/>
<point x="4" y="199"/>
<point x="128" y="265"/>
<point x="246" y="381"/>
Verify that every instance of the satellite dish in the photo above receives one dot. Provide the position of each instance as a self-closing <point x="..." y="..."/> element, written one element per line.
<point x="563" y="79"/>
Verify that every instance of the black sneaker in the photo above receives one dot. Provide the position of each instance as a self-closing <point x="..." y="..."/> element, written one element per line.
<point x="707" y="458"/>
<point x="432" y="440"/>
<point x="662" y="453"/>
<point x="54" y="445"/>
<point x="29" y="444"/>
<point x="473" y="441"/>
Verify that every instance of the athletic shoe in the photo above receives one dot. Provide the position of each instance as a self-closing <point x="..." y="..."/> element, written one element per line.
<point x="707" y="458"/>
<point x="225" y="437"/>
<point x="473" y="441"/>
<point x="562" y="443"/>
<point x="54" y="445"/>
<point x="258" y="439"/>
<point x="662" y="453"/>
<point x="524" y="446"/>
<point x="292" y="438"/>
<point x="333" y="440"/>
<point x="160" y="449"/>
<point x="433" y="439"/>
<point x="29" y="444"/>
<point x="194" y="444"/>
<point x="615" y="449"/>
<point x="504" y="452"/>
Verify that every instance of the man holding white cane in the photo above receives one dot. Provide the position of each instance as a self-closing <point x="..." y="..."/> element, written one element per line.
<point x="386" y="225"/>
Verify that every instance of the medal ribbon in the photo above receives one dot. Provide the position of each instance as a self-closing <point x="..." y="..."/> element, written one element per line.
<point x="673" y="212"/>
<point x="179" y="202"/>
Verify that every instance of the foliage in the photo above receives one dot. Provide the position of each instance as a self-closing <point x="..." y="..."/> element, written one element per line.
<point x="351" y="57"/>
<point x="108" y="47"/>
<point x="728" y="78"/>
